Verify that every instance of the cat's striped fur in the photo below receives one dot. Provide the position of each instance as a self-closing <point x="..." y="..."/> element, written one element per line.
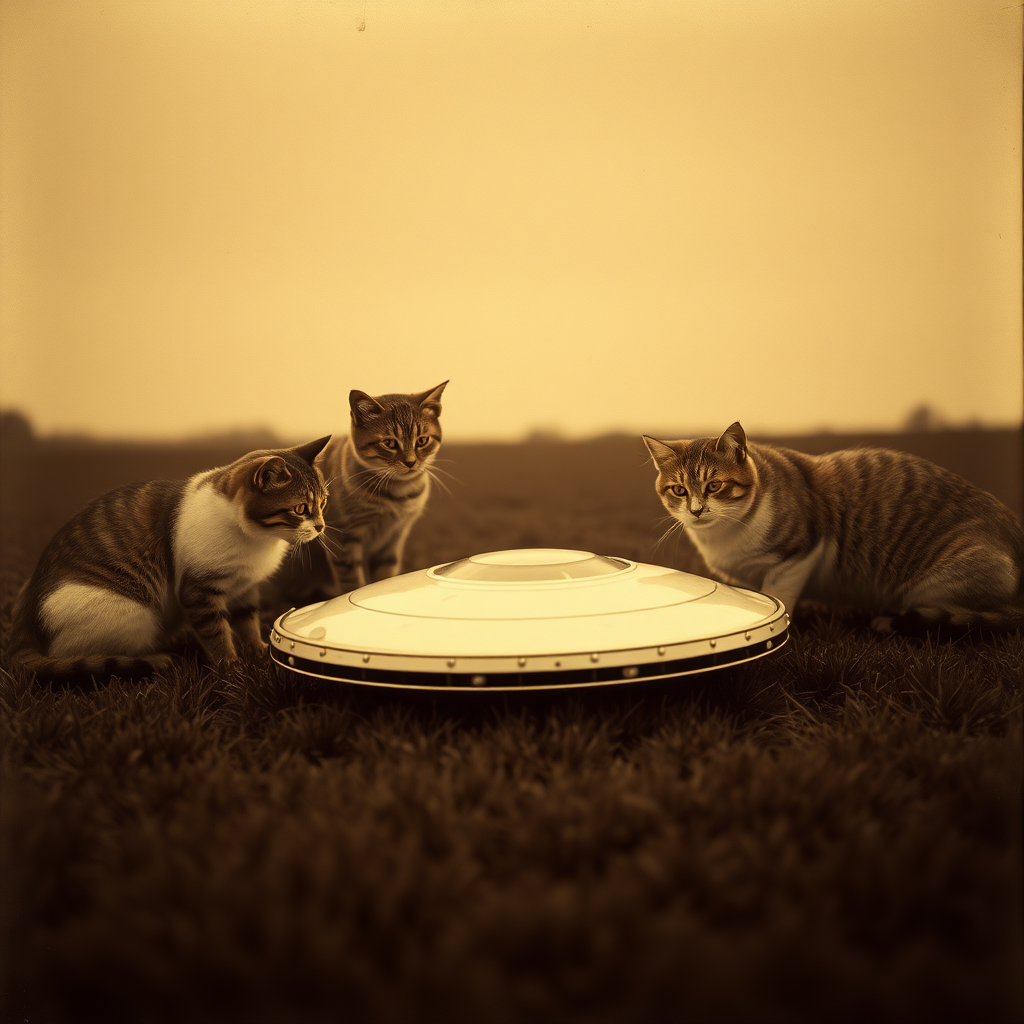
<point x="877" y="529"/>
<point x="380" y="481"/>
<point x="120" y="579"/>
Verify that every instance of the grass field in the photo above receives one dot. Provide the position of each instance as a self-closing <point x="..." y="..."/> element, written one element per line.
<point x="830" y="834"/>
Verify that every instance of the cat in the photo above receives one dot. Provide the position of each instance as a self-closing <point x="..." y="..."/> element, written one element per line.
<point x="116" y="583"/>
<point x="380" y="478"/>
<point x="881" y="530"/>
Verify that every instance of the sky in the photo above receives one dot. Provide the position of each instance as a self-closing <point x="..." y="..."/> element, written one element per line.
<point x="595" y="216"/>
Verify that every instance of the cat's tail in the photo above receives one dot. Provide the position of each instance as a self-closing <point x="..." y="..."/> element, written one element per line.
<point x="26" y="651"/>
<point x="95" y="666"/>
<point x="1007" y="619"/>
<point x="999" y="620"/>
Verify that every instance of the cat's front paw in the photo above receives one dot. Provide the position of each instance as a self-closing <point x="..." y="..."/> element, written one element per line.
<point x="160" y="662"/>
<point x="882" y="624"/>
<point x="254" y="650"/>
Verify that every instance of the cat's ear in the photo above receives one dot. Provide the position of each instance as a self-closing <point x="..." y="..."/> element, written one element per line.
<point x="308" y="452"/>
<point x="733" y="440"/>
<point x="363" y="407"/>
<point x="270" y="472"/>
<point x="430" y="401"/>
<point x="661" y="451"/>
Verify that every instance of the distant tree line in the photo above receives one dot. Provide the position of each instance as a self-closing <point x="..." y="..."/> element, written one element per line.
<point x="923" y="418"/>
<point x="15" y="427"/>
<point x="16" y="430"/>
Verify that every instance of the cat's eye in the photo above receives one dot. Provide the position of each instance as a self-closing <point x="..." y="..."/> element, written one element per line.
<point x="301" y="509"/>
<point x="390" y="443"/>
<point x="678" y="490"/>
<point x="714" y="485"/>
<point x="423" y="441"/>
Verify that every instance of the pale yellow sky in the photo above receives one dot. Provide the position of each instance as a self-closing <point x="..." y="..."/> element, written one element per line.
<point x="631" y="215"/>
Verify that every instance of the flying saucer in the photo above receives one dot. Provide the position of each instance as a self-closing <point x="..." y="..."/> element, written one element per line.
<point x="529" y="619"/>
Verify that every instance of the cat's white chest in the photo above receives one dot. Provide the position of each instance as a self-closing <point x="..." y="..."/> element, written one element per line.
<point x="738" y="549"/>
<point x="209" y="537"/>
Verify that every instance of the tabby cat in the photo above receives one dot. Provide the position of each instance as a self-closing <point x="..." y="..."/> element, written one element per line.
<point x="881" y="530"/>
<point x="116" y="582"/>
<point x="380" y="480"/>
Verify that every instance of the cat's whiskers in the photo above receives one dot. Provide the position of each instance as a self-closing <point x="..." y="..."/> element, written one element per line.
<point x="365" y="478"/>
<point x="295" y="552"/>
<point x="430" y="471"/>
<point x="730" y="519"/>
<point x="330" y="545"/>
<point x="675" y="526"/>
<point x="451" y="476"/>
<point x="444" y="472"/>
<point x="380" y="483"/>
<point x="661" y="540"/>
<point x="325" y="545"/>
<point x="369" y="480"/>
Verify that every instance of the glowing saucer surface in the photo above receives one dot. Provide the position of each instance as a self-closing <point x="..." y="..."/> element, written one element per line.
<point x="531" y="618"/>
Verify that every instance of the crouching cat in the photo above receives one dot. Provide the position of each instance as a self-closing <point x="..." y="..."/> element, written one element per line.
<point x="380" y="480"/>
<point x="117" y="582"/>
<point x="881" y="530"/>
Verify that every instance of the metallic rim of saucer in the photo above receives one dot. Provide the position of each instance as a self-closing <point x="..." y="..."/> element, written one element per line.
<point x="495" y="673"/>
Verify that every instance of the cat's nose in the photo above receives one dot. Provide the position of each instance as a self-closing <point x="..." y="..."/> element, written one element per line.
<point x="697" y="511"/>
<point x="410" y="461"/>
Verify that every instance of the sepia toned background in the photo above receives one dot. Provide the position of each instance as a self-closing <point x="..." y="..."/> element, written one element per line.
<point x="591" y="217"/>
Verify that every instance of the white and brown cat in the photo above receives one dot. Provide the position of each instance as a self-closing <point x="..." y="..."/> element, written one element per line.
<point x="881" y="530"/>
<point x="118" y="581"/>
<point x="380" y="478"/>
